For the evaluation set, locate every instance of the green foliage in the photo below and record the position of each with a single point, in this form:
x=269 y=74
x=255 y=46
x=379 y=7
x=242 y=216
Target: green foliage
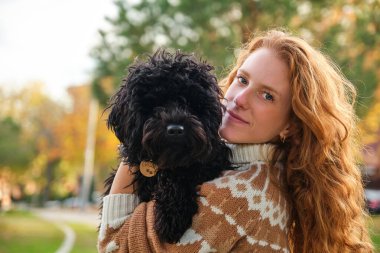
x=213 y=29
x=365 y=81
x=15 y=151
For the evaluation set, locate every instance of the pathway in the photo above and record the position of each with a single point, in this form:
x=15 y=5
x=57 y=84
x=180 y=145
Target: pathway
x=61 y=216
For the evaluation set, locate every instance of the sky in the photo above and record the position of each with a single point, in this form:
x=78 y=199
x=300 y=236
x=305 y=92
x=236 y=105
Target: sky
x=49 y=41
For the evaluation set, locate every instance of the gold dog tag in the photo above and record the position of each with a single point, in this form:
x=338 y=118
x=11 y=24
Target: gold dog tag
x=148 y=169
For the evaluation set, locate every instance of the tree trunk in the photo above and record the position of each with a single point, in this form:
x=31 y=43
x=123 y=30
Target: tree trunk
x=49 y=174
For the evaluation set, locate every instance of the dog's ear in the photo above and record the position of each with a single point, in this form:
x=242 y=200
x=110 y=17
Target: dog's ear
x=119 y=113
x=127 y=122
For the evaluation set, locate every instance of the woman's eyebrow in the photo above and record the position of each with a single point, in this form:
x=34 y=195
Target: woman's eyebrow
x=244 y=72
x=265 y=86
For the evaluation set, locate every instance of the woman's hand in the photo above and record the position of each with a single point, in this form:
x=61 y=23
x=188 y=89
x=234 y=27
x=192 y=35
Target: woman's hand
x=123 y=179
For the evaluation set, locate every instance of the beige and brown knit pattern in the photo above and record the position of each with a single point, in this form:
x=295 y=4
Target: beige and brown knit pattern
x=241 y=211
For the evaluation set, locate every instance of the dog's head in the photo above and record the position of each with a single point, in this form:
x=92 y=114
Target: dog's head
x=168 y=111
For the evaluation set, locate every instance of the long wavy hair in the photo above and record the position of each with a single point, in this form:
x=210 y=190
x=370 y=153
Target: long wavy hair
x=321 y=180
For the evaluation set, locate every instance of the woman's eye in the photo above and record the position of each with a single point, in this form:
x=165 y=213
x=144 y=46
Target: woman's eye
x=242 y=80
x=267 y=96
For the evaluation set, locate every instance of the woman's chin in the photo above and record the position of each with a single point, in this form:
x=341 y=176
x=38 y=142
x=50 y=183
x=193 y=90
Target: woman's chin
x=224 y=134
x=229 y=135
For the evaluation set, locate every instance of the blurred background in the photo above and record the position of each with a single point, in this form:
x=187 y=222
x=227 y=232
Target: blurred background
x=61 y=60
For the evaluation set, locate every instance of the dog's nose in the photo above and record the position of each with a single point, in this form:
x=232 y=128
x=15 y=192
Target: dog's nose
x=174 y=129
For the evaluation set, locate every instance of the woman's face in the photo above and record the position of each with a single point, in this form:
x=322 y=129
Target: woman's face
x=258 y=100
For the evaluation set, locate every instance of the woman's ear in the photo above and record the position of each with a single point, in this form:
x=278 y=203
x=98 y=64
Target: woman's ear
x=285 y=132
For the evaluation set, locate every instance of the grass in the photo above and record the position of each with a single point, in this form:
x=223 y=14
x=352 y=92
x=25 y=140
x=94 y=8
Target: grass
x=375 y=231
x=24 y=232
x=86 y=238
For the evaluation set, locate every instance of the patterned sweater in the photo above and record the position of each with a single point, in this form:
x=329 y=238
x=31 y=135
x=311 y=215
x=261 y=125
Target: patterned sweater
x=241 y=211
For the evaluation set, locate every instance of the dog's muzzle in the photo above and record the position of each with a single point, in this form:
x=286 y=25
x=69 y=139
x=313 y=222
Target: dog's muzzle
x=175 y=130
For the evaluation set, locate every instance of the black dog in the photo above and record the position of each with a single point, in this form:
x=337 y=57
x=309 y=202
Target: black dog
x=166 y=115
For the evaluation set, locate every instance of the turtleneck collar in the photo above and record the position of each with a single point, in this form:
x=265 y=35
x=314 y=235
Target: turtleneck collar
x=249 y=153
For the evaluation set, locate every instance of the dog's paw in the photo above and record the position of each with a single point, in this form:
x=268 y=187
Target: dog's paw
x=170 y=229
x=173 y=218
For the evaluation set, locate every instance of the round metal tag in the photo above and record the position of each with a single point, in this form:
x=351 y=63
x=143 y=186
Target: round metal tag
x=148 y=169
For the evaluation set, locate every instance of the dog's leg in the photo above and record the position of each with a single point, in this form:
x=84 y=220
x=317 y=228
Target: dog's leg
x=175 y=206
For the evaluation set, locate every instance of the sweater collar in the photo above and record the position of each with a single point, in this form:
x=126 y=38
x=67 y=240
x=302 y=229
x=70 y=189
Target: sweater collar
x=248 y=153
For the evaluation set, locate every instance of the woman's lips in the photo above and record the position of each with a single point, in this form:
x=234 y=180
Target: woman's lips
x=236 y=117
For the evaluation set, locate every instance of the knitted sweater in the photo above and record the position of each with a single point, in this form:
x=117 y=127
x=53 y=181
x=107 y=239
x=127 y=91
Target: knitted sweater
x=241 y=211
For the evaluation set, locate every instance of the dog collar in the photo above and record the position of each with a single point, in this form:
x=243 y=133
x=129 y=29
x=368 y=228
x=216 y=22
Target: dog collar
x=148 y=169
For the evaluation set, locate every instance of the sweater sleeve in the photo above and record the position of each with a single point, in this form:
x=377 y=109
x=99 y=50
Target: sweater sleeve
x=238 y=212
x=116 y=209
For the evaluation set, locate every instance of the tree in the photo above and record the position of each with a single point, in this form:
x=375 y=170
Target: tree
x=29 y=135
x=71 y=135
x=15 y=151
x=370 y=125
x=42 y=142
x=15 y=154
x=348 y=31
x=212 y=29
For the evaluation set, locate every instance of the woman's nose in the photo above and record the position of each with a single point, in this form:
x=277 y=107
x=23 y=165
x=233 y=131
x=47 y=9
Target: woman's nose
x=241 y=99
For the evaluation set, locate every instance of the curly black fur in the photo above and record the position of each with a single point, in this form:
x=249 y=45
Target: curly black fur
x=166 y=90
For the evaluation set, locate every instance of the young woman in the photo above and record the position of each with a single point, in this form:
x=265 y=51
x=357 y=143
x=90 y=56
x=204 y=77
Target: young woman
x=291 y=120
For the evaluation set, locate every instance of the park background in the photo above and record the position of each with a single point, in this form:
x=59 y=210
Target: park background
x=55 y=149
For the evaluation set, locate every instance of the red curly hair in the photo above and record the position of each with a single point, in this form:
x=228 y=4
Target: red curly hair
x=322 y=180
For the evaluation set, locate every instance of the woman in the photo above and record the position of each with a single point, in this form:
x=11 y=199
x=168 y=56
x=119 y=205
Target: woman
x=290 y=116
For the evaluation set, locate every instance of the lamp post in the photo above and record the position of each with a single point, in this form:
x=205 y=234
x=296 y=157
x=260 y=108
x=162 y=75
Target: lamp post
x=88 y=170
